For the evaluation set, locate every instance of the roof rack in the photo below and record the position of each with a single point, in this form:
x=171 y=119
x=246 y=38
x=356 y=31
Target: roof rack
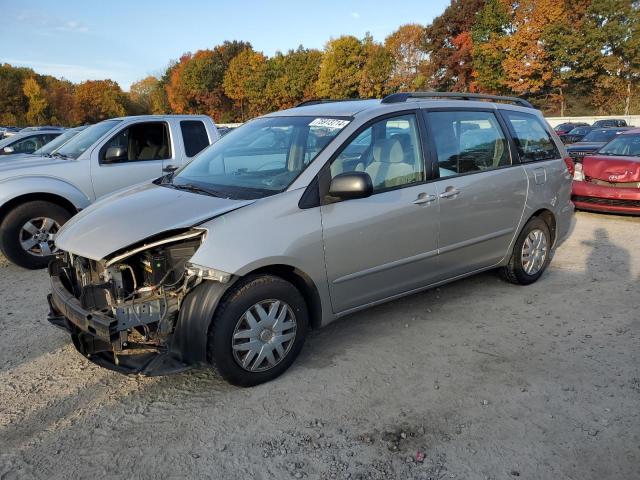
x=404 y=96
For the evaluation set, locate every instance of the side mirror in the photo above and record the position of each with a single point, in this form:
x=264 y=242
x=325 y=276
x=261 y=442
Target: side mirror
x=8 y=150
x=351 y=185
x=115 y=154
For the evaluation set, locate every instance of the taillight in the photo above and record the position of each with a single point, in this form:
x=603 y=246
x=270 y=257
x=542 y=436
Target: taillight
x=570 y=165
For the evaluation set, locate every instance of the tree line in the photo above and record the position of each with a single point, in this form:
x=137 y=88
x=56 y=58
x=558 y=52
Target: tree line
x=577 y=57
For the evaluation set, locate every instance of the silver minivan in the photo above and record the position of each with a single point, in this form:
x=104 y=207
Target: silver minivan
x=303 y=216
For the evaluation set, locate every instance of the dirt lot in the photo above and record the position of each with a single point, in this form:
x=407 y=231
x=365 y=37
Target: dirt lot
x=487 y=379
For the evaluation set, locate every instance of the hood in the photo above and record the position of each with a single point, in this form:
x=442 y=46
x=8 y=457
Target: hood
x=612 y=169
x=585 y=146
x=136 y=214
x=25 y=164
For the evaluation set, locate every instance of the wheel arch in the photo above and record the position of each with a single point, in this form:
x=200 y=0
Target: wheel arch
x=549 y=218
x=37 y=196
x=302 y=282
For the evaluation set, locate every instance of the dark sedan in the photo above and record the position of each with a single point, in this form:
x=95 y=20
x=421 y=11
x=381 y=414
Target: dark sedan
x=596 y=138
x=575 y=135
x=566 y=127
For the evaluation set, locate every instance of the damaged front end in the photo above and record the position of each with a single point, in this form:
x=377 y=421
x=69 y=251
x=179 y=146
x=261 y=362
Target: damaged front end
x=126 y=312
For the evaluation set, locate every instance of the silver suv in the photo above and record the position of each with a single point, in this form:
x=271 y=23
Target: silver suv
x=303 y=216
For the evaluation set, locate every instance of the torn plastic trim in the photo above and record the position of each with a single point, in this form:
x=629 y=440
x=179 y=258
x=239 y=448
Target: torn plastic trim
x=176 y=238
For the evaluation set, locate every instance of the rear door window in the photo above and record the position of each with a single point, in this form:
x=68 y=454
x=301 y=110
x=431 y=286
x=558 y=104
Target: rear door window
x=468 y=142
x=531 y=137
x=194 y=135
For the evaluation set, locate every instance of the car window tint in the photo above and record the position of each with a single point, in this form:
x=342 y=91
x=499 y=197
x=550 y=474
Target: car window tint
x=531 y=137
x=389 y=151
x=139 y=142
x=468 y=142
x=194 y=135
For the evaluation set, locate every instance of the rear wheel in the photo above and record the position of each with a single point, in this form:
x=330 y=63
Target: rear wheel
x=28 y=232
x=531 y=253
x=258 y=330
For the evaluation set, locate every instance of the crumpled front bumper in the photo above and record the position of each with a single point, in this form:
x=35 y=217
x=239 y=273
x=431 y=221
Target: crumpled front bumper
x=602 y=198
x=98 y=336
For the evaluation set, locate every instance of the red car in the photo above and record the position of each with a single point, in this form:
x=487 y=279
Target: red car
x=609 y=180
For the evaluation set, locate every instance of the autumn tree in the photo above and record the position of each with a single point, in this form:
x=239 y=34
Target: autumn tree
x=196 y=81
x=376 y=71
x=13 y=103
x=245 y=82
x=410 y=58
x=60 y=98
x=343 y=60
x=37 y=101
x=97 y=100
x=140 y=95
x=449 y=44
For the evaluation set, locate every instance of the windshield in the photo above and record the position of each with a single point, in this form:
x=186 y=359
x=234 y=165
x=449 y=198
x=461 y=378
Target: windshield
x=600 y=135
x=81 y=142
x=580 y=131
x=56 y=142
x=260 y=158
x=622 y=146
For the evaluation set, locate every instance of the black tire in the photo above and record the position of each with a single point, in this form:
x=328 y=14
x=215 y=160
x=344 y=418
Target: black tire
x=242 y=296
x=514 y=271
x=12 y=224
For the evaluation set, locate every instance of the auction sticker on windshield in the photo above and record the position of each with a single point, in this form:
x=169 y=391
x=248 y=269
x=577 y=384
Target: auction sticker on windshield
x=329 y=123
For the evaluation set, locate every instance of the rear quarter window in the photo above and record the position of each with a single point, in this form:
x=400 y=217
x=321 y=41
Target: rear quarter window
x=194 y=135
x=531 y=137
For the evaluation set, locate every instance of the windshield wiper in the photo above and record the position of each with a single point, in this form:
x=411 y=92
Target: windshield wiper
x=190 y=187
x=58 y=155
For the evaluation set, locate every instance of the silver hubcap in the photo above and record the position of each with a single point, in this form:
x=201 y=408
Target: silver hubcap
x=264 y=335
x=534 y=252
x=37 y=236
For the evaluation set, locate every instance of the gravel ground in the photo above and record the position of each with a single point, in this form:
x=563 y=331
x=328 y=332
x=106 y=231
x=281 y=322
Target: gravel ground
x=479 y=379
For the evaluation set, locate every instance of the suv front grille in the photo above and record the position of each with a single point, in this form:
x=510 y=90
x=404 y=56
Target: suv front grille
x=579 y=154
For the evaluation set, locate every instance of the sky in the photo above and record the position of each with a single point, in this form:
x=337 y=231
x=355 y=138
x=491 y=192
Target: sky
x=128 y=40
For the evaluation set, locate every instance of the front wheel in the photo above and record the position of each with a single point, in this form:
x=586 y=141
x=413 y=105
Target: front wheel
x=531 y=253
x=28 y=232
x=258 y=330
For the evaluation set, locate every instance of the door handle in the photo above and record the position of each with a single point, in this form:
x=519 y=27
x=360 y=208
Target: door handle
x=449 y=192
x=424 y=198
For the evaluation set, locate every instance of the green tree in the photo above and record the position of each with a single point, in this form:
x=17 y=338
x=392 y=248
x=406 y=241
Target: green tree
x=491 y=27
x=292 y=77
x=614 y=36
x=343 y=60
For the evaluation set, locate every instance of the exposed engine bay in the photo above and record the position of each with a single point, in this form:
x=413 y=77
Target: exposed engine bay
x=138 y=292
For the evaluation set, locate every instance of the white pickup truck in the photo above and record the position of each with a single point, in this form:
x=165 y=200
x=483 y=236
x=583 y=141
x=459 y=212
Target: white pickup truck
x=37 y=196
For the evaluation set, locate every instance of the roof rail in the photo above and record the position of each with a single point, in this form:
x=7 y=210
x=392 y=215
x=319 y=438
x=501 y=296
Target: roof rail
x=327 y=100
x=404 y=96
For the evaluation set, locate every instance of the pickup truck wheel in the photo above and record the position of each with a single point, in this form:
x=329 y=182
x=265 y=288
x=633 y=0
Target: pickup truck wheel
x=531 y=253
x=258 y=330
x=28 y=232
